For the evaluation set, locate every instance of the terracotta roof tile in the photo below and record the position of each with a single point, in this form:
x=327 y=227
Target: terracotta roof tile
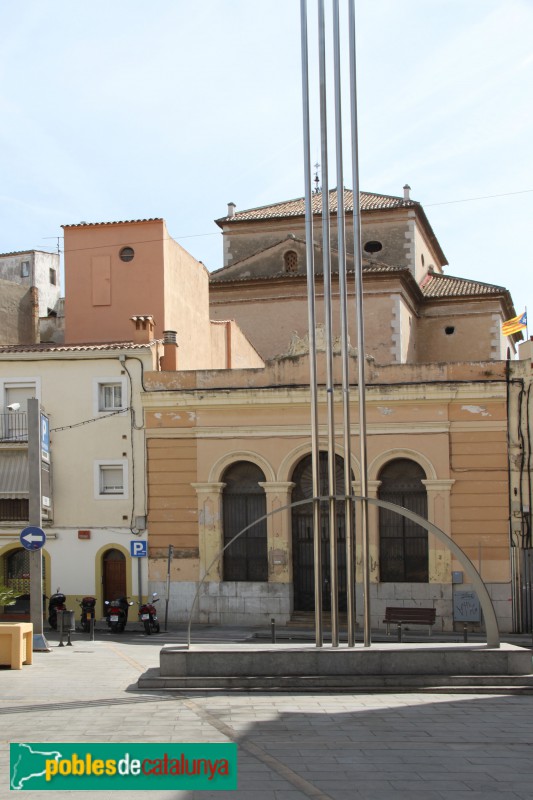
x=50 y=347
x=26 y=253
x=373 y=267
x=296 y=208
x=449 y=286
x=121 y=222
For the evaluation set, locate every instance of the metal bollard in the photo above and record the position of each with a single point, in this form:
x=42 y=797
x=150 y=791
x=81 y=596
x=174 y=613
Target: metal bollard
x=91 y=628
x=60 y=626
x=465 y=633
x=399 y=631
x=273 y=630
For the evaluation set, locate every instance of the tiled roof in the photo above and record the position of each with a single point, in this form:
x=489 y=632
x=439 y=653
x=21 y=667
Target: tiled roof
x=50 y=347
x=25 y=252
x=296 y=208
x=121 y=222
x=373 y=267
x=449 y=286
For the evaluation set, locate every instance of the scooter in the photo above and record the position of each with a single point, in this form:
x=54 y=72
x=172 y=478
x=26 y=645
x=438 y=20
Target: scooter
x=116 y=613
x=55 y=603
x=87 y=605
x=148 y=615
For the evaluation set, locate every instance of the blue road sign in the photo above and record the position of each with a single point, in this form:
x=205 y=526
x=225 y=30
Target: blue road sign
x=32 y=538
x=45 y=438
x=139 y=548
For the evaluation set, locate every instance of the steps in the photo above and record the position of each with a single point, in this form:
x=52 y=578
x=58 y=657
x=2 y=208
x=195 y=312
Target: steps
x=353 y=684
x=389 y=667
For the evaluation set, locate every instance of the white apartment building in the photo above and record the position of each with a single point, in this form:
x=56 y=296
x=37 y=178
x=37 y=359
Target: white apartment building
x=97 y=497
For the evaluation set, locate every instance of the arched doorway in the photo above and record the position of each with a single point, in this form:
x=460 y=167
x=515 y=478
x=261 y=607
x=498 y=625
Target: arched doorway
x=114 y=574
x=244 y=501
x=16 y=576
x=302 y=535
x=403 y=545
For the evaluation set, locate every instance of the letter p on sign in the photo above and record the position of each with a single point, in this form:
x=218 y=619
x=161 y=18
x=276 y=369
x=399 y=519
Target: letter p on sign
x=139 y=548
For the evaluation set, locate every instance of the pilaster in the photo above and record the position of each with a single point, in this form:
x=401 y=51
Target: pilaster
x=279 y=542
x=440 y=557
x=210 y=529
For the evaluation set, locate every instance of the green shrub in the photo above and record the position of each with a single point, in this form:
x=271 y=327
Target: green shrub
x=8 y=597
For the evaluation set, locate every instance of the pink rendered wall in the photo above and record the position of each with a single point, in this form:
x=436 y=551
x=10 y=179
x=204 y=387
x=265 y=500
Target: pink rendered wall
x=186 y=292
x=102 y=292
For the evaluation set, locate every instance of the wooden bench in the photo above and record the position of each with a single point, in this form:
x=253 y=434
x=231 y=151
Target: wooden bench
x=409 y=616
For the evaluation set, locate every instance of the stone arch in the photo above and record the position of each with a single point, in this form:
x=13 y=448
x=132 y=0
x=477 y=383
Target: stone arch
x=401 y=452
x=99 y=572
x=289 y=462
x=225 y=461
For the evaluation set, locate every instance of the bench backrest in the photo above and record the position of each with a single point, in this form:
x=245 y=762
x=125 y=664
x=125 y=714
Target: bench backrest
x=410 y=614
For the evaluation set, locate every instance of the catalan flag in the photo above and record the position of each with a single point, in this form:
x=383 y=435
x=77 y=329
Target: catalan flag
x=515 y=324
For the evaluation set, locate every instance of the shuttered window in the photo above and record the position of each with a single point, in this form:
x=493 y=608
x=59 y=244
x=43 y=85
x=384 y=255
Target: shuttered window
x=403 y=545
x=246 y=559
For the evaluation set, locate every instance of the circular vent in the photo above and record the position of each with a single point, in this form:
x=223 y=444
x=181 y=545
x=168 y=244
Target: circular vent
x=126 y=254
x=373 y=247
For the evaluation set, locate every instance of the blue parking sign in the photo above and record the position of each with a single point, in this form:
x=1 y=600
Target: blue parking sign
x=139 y=548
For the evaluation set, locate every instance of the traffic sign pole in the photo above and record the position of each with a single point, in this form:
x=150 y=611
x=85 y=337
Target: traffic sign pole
x=139 y=550
x=35 y=519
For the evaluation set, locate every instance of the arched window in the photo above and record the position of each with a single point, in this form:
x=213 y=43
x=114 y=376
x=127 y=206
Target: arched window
x=302 y=535
x=403 y=545
x=243 y=502
x=291 y=261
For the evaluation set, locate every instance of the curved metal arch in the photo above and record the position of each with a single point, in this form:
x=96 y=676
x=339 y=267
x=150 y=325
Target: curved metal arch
x=491 y=624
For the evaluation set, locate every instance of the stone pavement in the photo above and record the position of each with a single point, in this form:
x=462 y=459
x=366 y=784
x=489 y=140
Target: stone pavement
x=291 y=746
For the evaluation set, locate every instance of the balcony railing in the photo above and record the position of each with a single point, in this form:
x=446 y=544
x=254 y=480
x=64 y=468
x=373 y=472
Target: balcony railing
x=14 y=426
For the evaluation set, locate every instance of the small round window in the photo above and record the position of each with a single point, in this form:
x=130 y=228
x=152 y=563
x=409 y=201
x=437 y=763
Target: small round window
x=127 y=253
x=373 y=247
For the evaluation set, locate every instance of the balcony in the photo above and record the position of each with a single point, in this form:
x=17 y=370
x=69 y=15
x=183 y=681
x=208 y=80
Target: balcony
x=14 y=427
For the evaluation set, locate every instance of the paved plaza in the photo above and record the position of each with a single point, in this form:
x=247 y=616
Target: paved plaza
x=291 y=746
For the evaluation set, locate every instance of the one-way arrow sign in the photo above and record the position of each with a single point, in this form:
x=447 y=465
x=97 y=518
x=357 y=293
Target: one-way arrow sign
x=32 y=538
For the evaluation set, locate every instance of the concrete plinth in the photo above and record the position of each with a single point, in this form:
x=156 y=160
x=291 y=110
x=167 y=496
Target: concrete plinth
x=258 y=665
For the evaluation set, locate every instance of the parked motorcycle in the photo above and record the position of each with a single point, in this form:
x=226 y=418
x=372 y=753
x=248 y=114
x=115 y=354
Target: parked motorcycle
x=116 y=613
x=148 y=615
x=55 y=603
x=87 y=605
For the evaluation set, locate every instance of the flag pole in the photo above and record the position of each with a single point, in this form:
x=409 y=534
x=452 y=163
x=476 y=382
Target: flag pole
x=309 y=249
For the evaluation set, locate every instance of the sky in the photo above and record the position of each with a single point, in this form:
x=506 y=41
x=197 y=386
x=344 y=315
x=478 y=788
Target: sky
x=129 y=110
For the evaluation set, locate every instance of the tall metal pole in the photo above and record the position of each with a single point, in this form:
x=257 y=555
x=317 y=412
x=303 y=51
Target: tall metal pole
x=317 y=543
x=330 y=381
x=341 y=225
x=35 y=520
x=358 y=267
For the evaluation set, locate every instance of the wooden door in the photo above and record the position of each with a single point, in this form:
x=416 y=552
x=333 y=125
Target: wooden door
x=114 y=572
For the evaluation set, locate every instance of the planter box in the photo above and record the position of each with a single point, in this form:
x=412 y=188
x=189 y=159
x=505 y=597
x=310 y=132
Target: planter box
x=16 y=644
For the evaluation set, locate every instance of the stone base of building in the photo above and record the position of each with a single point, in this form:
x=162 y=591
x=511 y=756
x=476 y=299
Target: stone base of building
x=250 y=604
